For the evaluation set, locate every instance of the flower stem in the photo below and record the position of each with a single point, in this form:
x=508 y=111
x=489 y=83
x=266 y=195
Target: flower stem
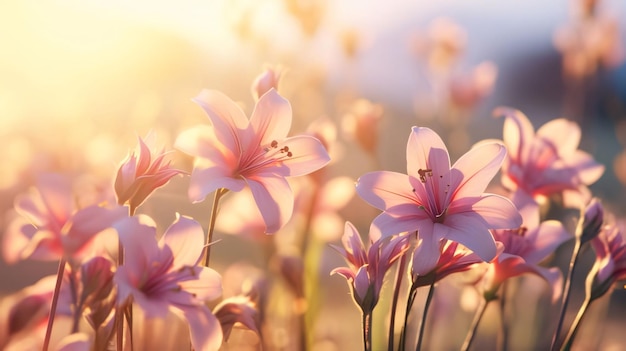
x=409 y=305
x=566 y=293
x=394 y=302
x=367 y=331
x=474 y=327
x=504 y=330
x=53 y=307
x=569 y=339
x=429 y=299
x=209 y=238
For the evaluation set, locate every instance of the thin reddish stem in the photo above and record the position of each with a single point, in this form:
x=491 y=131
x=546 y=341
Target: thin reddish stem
x=53 y=307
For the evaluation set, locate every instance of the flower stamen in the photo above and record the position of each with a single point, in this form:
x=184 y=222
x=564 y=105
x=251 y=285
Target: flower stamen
x=423 y=173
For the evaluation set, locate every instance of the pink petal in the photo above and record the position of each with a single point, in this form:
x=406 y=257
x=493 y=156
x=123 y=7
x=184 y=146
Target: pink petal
x=563 y=134
x=353 y=245
x=309 y=155
x=16 y=238
x=88 y=222
x=139 y=241
x=477 y=168
x=588 y=170
x=470 y=230
x=270 y=120
x=390 y=225
x=274 y=198
x=385 y=189
x=56 y=193
x=496 y=211
x=361 y=283
x=206 y=180
x=426 y=150
x=550 y=235
x=201 y=141
x=518 y=132
x=426 y=255
x=207 y=287
x=205 y=330
x=344 y=272
x=226 y=117
x=185 y=237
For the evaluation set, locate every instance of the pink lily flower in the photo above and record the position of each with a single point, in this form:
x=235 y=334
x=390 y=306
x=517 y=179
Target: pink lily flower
x=452 y=259
x=525 y=248
x=165 y=274
x=439 y=201
x=610 y=250
x=367 y=269
x=52 y=227
x=235 y=153
x=138 y=177
x=547 y=162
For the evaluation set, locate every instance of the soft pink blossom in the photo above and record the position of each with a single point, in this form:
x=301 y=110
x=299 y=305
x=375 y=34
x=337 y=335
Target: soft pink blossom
x=610 y=248
x=439 y=201
x=366 y=271
x=235 y=153
x=165 y=274
x=547 y=162
x=51 y=227
x=452 y=259
x=525 y=248
x=139 y=176
x=238 y=309
x=266 y=81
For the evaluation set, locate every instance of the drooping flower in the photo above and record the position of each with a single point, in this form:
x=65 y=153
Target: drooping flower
x=235 y=153
x=165 y=274
x=525 y=248
x=139 y=176
x=452 y=259
x=52 y=227
x=367 y=269
x=439 y=201
x=238 y=309
x=610 y=249
x=546 y=163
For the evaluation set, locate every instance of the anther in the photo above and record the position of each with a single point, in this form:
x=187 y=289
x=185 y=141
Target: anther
x=423 y=173
x=274 y=144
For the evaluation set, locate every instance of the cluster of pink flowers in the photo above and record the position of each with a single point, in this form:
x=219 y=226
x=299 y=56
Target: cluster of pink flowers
x=116 y=270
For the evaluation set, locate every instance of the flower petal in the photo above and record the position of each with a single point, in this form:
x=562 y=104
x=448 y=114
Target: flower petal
x=549 y=236
x=207 y=287
x=496 y=211
x=425 y=150
x=226 y=117
x=206 y=180
x=201 y=141
x=270 y=120
x=205 y=330
x=390 y=225
x=308 y=155
x=563 y=134
x=426 y=255
x=185 y=237
x=518 y=132
x=385 y=189
x=274 y=198
x=472 y=173
x=470 y=230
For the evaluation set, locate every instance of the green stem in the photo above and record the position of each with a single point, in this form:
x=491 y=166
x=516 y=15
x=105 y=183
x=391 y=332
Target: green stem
x=367 y=331
x=409 y=305
x=566 y=293
x=53 y=307
x=209 y=238
x=394 y=302
x=429 y=299
x=474 y=326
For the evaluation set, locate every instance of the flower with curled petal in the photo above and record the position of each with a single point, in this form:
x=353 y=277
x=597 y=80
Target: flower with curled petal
x=51 y=227
x=547 y=162
x=164 y=274
x=439 y=201
x=234 y=153
x=367 y=269
x=138 y=177
x=525 y=247
x=452 y=259
x=610 y=249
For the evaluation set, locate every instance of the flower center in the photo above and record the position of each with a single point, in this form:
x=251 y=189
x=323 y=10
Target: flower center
x=269 y=156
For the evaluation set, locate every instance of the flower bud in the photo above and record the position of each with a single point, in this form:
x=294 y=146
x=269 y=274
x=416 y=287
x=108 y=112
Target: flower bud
x=265 y=81
x=593 y=220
